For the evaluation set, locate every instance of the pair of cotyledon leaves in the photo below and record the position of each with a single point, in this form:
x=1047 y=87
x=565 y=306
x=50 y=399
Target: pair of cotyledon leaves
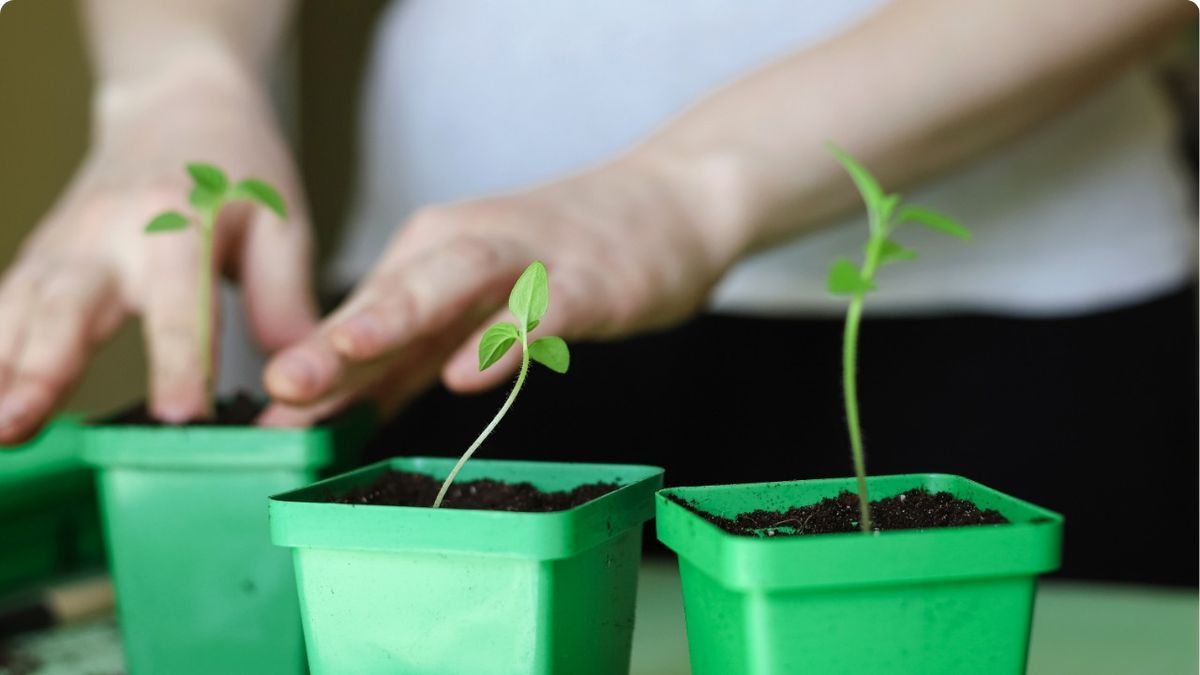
x=527 y=303
x=211 y=190
x=886 y=213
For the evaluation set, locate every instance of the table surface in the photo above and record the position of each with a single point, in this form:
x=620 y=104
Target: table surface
x=1078 y=629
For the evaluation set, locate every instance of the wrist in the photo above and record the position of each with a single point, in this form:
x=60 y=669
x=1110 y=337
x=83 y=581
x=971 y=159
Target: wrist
x=193 y=75
x=710 y=192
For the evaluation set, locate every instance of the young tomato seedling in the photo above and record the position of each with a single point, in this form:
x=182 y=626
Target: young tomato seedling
x=885 y=213
x=527 y=302
x=211 y=191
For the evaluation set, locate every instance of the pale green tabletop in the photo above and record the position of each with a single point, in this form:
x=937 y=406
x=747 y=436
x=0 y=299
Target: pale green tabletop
x=1078 y=629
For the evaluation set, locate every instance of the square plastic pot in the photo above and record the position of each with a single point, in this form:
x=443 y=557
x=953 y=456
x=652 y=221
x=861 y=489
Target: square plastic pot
x=914 y=602
x=200 y=588
x=49 y=524
x=422 y=591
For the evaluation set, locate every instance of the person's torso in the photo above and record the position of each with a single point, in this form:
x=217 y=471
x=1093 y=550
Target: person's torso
x=468 y=99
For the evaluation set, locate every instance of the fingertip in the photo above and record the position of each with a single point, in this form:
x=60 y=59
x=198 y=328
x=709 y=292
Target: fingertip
x=296 y=375
x=15 y=433
x=459 y=380
x=281 y=416
x=180 y=406
x=172 y=414
x=21 y=416
x=462 y=375
x=12 y=438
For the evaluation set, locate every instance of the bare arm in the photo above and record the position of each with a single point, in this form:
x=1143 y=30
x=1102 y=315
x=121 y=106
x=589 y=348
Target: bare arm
x=140 y=39
x=918 y=87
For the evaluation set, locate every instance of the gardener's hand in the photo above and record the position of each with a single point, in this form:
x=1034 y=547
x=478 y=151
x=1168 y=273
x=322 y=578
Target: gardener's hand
x=629 y=247
x=89 y=264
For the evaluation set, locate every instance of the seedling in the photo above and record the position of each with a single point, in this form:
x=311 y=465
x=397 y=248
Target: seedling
x=885 y=213
x=211 y=191
x=527 y=302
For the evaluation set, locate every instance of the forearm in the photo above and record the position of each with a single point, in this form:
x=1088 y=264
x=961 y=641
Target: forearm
x=147 y=44
x=914 y=89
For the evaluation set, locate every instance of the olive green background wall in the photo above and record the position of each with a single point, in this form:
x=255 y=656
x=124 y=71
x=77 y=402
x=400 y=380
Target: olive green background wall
x=45 y=86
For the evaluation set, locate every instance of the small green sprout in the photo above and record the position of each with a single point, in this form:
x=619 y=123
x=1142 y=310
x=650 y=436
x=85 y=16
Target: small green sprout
x=885 y=213
x=527 y=302
x=211 y=191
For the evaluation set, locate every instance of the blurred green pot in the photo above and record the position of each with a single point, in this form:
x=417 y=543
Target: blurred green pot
x=422 y=591
x=200 y=588
x=49 y=524
x=915 y=602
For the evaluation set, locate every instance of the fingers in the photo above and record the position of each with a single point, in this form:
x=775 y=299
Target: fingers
x=275 y=269
x=289 y=416
x=389 y=384
x=73 y=310
x=390 y=381
x=424 y=295
x=395 y=307
x=306 y=371
x=17 y=296
x=171 y=325
x=461 y=373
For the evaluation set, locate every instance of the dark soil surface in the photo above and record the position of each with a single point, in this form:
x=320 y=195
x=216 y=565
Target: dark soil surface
x=916 y=509
x=239 y=411
x=16 y=663
x=404 y=488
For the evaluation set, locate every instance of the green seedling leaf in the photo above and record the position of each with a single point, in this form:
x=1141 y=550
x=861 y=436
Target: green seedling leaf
x=205 y=199
x=888 y=207
x=867 y=186
x=551 y=351
x=846 y=279
x=528 y=300
x=495 y=342
x=259 y=191
x=890 y=250
x=169 y=221
x=208 y=177
x=934 y=220
x=530 y=295
x=532 y=325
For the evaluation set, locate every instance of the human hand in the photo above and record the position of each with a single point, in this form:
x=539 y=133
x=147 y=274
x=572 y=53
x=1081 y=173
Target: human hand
x=88 y=264
x=632 y=246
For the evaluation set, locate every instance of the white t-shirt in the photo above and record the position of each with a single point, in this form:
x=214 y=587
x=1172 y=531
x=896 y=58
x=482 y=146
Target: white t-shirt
x=471 y=98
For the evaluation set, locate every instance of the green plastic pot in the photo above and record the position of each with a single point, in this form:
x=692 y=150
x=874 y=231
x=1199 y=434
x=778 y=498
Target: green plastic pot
x=49 y=524
x=200 y=588
x=916 y=602
x=422 y=591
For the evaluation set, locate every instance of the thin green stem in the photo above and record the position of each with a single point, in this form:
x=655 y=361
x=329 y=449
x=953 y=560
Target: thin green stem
x=879 y=233
x=487 y=431
x=850 y=391
x=204 y=306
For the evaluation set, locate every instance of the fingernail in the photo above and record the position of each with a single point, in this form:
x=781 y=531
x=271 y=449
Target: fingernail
x=12 y=409
x=171 y=414
x=277 y=416
x=297 y=373
x=358 y=335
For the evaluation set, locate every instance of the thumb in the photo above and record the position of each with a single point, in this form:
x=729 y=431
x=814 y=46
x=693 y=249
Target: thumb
x=275 y=267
